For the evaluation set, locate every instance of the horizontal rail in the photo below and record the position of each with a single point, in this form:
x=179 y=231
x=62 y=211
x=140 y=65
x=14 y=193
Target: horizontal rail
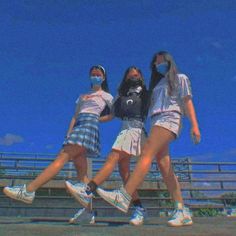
x=112 y=208
x=35 y=157
x=66 y=197
x=112 y=179
x=95 y=169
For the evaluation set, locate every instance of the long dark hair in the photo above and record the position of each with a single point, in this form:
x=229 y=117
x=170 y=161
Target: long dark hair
x=171 y=74
x=104 y=86
x=123 y=89
x=104 y=83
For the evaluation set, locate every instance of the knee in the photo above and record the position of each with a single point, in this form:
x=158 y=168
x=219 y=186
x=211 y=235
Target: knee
x=165 y=168
x=62 y=158
x=145 y=162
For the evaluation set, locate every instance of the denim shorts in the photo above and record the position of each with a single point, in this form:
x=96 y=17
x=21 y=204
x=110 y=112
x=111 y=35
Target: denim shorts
x=170 y=120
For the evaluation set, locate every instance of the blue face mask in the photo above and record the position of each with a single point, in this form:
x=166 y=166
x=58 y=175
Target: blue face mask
x=96 y=80
x=162 y=68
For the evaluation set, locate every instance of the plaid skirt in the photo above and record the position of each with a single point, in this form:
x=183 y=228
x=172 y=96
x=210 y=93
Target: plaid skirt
x=131 y=138
x=86 y=134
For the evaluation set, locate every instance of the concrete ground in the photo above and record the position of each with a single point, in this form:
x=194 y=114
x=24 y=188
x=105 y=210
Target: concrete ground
x=211 y=226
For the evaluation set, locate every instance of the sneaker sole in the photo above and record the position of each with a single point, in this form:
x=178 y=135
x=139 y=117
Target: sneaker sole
x=9 y=194
x=111 y=202
x=75 y=195
x=184 y=224
x=73 y=221
x=132 y=223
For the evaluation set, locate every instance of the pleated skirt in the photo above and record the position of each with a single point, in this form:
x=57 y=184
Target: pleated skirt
x=86 y=134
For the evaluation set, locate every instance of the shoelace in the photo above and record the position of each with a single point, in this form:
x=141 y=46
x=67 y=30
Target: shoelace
x=20 y=193
x=136 y=214
x=80 y=185
x=117 y=198
x=139 y=213
x=176 y=213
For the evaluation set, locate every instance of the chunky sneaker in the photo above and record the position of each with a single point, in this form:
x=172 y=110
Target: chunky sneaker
x=118 y=198
x=187 y=212
x=19 y=193
x=83 y=216
x=138 y=216
x=180 y=218
x=78 y=191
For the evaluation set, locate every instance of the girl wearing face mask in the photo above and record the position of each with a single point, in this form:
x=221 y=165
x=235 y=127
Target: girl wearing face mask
x=171 y=98
x=82 y=138
x=130 y=107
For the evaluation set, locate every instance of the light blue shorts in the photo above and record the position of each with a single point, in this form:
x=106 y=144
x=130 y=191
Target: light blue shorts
x=169 y=120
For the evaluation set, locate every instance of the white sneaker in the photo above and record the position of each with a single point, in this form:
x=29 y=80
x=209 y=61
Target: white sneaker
x=78 y=192
x=187 y=212
x=83 y=217
x=138 y=216
x=118 y=198
x=19 y=193
x=180 y=218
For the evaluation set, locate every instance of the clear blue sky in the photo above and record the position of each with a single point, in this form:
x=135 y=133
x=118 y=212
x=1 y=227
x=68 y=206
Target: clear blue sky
x=47 y=48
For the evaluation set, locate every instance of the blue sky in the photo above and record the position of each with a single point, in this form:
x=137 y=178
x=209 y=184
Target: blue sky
x=47 y=48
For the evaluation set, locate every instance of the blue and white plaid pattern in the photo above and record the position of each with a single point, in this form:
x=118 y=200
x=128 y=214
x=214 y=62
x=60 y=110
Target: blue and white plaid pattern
x=86 y=133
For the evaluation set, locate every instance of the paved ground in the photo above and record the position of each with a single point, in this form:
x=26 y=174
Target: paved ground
x=212 y=226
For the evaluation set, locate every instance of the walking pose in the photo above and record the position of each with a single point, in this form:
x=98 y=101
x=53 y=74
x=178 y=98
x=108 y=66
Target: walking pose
x=131 y=107
x=82 y=139
x=171 y=98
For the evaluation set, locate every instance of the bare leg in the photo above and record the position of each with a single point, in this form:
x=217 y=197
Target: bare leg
x=124 y=169
x=81 y=166
x=108 y=167
x=158 y=138
x=170 y=179
x=69 y=151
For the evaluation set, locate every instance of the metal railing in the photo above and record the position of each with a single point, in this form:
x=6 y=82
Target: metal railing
x=202 y=183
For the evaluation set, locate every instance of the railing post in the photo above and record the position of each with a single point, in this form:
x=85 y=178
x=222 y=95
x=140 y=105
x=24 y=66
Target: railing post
x=190 y=175
x=221 y=182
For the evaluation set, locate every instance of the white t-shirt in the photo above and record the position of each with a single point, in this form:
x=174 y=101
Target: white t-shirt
x=93 y=102
x=161 y=101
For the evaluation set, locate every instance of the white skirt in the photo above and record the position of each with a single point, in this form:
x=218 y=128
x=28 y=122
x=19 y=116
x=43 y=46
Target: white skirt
x=131 y=138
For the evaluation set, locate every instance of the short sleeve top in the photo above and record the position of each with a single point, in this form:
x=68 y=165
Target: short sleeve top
x=161 y=101
x=93 y=102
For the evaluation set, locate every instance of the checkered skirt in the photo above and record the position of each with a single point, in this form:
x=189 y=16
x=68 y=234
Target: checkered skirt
x=86 y=134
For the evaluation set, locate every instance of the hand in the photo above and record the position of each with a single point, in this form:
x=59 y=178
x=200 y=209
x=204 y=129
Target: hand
x=195 y=134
